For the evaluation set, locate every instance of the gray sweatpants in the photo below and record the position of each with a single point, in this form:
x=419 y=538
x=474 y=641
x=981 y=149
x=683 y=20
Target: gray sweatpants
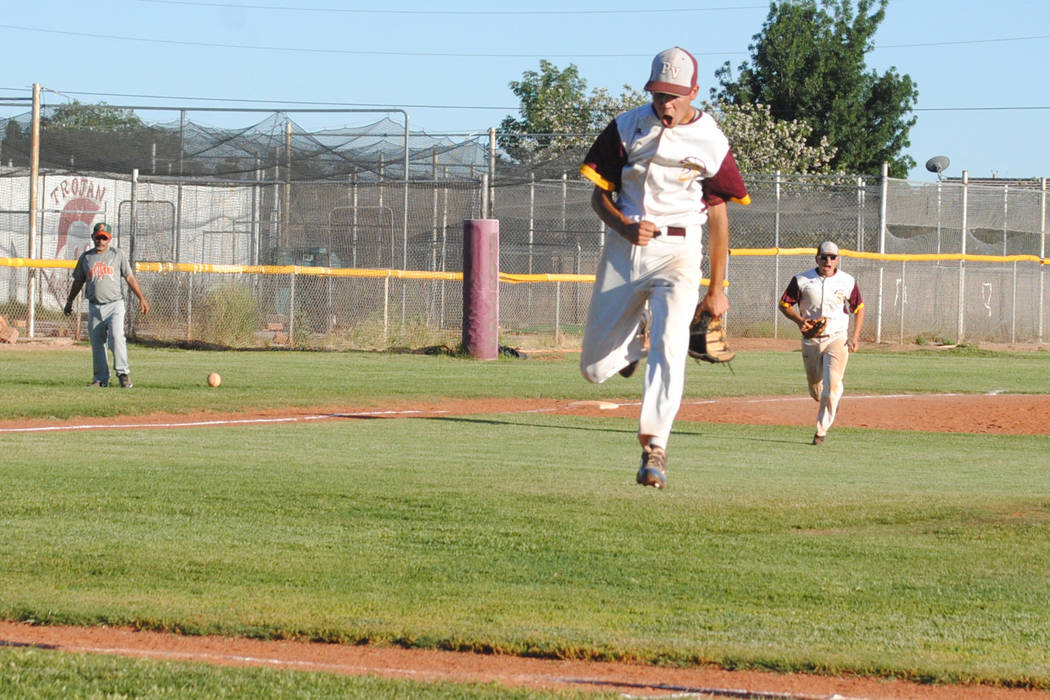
x=106 y=325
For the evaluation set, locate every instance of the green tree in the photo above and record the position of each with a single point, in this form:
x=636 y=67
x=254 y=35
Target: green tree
x=559 y=120
x=16 y=143
x=100 y=117
x=763 y=144
x=557 y=113
x=99 y=137
x=807 y=64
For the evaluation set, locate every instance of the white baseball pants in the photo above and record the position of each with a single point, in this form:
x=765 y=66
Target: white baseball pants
x=825 y=361
x=666 y=273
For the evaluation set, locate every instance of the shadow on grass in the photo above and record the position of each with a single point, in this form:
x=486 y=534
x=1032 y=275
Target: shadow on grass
x=677 y=432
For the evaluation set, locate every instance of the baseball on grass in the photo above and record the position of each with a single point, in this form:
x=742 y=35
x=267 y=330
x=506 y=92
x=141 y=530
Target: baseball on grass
x=214 y=379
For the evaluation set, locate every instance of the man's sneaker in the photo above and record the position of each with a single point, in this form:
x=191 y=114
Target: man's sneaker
x=98 y=383
x=653 y=471
x=125 y=381
x=818 y=439
x=629 y=369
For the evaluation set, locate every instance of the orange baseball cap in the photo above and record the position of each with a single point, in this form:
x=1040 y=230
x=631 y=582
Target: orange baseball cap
x=101 y=230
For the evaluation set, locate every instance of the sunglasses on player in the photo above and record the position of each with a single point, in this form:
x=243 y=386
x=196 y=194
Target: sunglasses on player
x=829 y=257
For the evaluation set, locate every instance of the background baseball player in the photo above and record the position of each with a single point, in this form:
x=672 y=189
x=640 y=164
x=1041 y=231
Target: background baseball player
x=827 y=293
x=100 y=271
x=660 y=172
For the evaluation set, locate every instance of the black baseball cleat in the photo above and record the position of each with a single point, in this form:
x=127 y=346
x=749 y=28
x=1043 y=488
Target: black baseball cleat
x=629 y=369
x=98 y=383
x=653 y=471
x=818 y=439
x=125 y=381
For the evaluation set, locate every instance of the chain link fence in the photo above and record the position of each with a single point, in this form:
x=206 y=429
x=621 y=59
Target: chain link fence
x=245 y=249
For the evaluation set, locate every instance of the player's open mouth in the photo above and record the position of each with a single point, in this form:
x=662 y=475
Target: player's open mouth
x=667 y=119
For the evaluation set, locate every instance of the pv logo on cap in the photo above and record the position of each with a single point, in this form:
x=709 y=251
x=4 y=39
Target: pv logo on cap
x=673 y=72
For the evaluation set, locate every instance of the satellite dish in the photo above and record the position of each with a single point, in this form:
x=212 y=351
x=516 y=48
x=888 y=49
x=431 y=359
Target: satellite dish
x=937 y=164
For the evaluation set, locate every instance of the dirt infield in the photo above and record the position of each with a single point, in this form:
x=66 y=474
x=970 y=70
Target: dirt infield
x=635 y=680
x=1017 y=414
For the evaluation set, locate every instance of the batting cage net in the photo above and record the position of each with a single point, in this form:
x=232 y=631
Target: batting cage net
x=276 y=234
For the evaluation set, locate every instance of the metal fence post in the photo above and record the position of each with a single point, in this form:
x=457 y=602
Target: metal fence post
x=353 y=219
x=34 y=174
x=444 y=240
x=131 y=214
x=189 y=308
x=532 y=236
x=860 y=212
x=1042 y=256
x=133 y=316
x=291 y=309
x=1013 y=306
x=557 y=313
x=175 y=245
x=564 y=204
x=1006 y=211
x=492 y=173
x=256 y=214
x=960 y=327
x=938 y=216
x=903 y=298
x=776 y=259
x=882 y=246
x=386 y=308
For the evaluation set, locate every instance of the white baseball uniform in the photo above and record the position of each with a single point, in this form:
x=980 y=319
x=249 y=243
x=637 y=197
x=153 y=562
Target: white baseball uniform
x=669 y=176
x=825 y=356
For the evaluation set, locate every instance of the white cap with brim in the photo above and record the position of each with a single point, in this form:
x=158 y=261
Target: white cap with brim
x=828 y=248
x=673 y=72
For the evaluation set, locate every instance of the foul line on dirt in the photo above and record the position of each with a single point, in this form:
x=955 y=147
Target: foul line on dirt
x=207 y=423
x=418 y=412
x=403 y=672
x=352 y=669
x=690 y=691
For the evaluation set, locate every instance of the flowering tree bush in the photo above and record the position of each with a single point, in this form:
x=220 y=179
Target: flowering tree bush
x=764 y=144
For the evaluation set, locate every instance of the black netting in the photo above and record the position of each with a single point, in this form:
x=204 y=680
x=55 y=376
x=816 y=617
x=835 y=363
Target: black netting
x=106 y=139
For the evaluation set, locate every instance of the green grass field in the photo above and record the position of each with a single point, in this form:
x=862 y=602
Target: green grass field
x=896 y=554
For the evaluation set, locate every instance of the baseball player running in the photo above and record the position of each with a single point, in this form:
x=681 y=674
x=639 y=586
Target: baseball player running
x=660 y=172
x=825 y=297
x=100 y=270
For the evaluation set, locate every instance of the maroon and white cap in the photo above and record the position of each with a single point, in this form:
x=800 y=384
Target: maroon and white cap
x=674 y=72
x=828 y=248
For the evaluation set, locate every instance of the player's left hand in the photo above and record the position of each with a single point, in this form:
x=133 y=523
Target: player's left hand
x=715 y=302
x=853 y=345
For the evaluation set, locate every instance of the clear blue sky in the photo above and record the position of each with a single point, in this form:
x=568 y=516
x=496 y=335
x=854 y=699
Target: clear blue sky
x=980 y=67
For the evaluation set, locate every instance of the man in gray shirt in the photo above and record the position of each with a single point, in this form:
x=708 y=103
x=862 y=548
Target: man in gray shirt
x=100 y=271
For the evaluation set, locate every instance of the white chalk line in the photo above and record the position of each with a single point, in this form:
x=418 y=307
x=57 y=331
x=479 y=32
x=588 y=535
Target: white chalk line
x=419 y=412
x=215 y=422
x=401 y=671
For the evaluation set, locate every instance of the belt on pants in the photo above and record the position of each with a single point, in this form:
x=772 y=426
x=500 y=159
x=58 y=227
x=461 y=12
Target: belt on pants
x=673 y=231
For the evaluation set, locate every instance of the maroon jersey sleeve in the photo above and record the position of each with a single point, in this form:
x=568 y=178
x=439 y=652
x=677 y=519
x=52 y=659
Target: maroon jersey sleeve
x=604 y=163
x=792 y=294
x=727 y=184
x=855 y=302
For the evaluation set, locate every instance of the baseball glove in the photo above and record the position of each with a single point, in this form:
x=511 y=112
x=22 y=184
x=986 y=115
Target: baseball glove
x=707 y=338
x=811 y=328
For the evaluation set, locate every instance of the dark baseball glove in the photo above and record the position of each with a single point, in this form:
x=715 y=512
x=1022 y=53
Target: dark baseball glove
x=707 y=338
x=813 y=328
